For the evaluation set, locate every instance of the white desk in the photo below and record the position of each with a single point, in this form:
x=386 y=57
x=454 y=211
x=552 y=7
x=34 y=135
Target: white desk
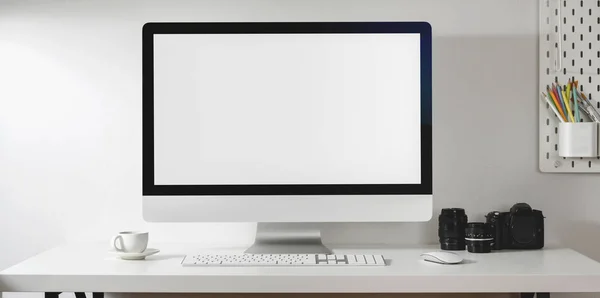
x=89 y=268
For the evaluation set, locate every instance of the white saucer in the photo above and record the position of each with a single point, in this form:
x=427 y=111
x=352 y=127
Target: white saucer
x=136 y=255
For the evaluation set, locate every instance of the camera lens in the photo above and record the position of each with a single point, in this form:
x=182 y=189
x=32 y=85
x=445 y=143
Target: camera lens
x=478 y=237
x=451 y=230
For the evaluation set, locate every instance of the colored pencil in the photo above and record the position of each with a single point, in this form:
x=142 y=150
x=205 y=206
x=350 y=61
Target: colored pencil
x=575 y=104
x=557 y=104
x=553 y=107
x=569 y=113
x=568 y=89
x=557 y=92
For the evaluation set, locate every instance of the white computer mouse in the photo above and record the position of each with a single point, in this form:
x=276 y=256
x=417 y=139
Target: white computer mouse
x=442 y=257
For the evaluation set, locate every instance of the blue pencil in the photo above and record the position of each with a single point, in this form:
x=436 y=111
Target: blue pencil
x=562 y=100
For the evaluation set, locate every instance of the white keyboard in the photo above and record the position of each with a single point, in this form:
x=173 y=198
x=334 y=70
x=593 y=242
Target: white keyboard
x=283 y=260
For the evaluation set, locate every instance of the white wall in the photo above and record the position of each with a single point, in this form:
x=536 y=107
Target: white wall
x=70 y=119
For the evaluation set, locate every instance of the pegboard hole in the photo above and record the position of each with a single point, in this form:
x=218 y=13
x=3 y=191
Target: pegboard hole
x=590 y=29
x=547 y=54
x=572 y=164
x=590 y=62
x=581 y=37
x=589 y=164
x=547 y=123
x=590 y=45
x=581 y=20
x=556 y=130
x=555 y=147
x=547 y=139
x=564 y=54
x=548 y=155
x=572 y=62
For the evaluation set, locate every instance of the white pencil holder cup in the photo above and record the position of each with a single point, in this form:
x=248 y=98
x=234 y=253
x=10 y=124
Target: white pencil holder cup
x=578 y=139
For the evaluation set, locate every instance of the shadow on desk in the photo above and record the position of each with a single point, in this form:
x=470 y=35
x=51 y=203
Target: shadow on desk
x=160 y=257
x=345 y=295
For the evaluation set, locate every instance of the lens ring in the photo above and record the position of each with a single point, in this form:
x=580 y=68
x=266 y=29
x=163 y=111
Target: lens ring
x=478 y=237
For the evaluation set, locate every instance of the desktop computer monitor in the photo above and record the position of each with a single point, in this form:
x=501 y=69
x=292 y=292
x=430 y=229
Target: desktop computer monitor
x=287 y=123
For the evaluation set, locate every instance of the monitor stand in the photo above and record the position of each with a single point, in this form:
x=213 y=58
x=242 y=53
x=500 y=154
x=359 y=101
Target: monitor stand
x=288 y=238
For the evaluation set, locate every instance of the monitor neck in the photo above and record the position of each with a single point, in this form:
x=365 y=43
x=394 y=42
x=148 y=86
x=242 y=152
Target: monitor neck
x=288 y=238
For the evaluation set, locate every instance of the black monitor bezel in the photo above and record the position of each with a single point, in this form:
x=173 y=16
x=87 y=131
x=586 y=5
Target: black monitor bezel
x=148 y=180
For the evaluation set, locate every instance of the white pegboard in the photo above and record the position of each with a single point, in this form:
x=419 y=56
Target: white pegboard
x=569 y=48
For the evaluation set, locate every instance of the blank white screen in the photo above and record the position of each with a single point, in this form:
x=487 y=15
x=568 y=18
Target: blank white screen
x=287 y=109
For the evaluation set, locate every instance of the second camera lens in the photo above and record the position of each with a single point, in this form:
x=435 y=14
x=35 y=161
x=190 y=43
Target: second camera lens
x=478 y=237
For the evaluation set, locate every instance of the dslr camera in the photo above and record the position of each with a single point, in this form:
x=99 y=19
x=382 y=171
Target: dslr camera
x=520 y=228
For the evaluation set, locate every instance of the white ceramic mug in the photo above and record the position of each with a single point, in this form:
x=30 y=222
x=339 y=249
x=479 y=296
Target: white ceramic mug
x=130 y=241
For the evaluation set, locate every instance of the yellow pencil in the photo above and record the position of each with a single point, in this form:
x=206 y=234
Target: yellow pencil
x=567 y=106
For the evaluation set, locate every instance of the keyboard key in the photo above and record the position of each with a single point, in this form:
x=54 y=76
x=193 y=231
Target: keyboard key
x=352 y=259
x=370 y=259
x=360 y=259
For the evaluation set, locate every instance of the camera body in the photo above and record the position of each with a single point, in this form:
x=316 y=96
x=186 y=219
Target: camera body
x=520 y=228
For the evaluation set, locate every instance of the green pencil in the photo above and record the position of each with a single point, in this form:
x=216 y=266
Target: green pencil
x=575 y=104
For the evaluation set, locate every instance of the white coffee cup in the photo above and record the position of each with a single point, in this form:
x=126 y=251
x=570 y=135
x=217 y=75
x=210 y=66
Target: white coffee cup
x=130 y=241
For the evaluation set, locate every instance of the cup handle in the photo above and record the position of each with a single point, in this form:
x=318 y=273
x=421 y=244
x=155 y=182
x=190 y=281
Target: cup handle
x=114 y=241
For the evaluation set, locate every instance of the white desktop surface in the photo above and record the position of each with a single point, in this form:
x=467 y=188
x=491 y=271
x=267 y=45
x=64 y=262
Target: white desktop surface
x=90 y=268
